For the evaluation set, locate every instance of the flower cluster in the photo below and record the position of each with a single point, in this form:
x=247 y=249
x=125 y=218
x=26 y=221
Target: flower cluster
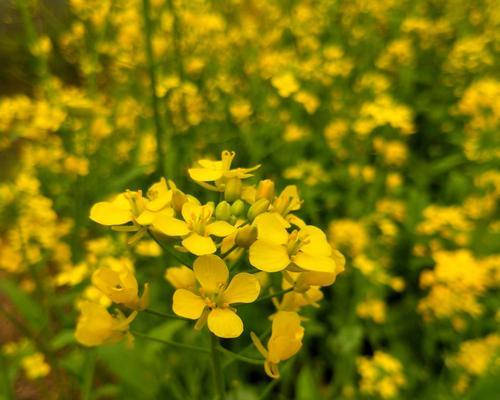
x=225 y=248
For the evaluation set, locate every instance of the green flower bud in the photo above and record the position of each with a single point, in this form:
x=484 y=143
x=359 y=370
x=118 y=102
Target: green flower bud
x=238 y=208
x=223 y=211
x=246 y=236
x=232 y=191
x=259 y=207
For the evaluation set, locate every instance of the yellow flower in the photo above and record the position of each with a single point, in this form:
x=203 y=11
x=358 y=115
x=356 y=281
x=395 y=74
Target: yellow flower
x=275 y=249
x=211 y=302
x=121 y=287
x=219 y=172
x=197 y=227
x=97 y=326
x=285 y=341
x=132 y=206
x=35 y=366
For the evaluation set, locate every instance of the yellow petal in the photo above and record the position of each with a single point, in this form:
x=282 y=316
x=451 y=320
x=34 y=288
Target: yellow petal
x=268 y=256
x=313 y=278
x=310 y=262
x=339 y=259
x=243 y=288
x=170 y=226
x=191 y=211
x=95 y=324
x=211 y=272
x=199 y=245
x=210 y=164
x=225 y=323
x=187 y=304
x=286 y=336
x=107 y=213
x=146 y=217
x=220 y=228
x=271 y=228
x=317 y=242
x=181 y=277
x=205 y=174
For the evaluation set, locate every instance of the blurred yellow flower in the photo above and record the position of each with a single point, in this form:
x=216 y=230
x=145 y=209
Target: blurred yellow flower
x=35 y=366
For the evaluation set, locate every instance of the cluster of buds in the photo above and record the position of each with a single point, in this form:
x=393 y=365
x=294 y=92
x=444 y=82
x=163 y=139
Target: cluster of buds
x=228 y=250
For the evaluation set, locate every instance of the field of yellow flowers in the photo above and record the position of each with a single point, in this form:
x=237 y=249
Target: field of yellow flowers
x=249 y=199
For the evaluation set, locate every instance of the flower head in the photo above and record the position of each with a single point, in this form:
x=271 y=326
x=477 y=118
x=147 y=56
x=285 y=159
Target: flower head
x=285 y=341
x=97 y=326
x=275 y=249
x=211 y=302
x=120 y=287
x=196 y=229
x=219 y=172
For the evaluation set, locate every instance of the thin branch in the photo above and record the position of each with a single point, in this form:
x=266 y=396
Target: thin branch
x=171 y=343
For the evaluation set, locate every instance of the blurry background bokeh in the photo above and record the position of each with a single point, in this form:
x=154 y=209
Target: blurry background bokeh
x=386 y=114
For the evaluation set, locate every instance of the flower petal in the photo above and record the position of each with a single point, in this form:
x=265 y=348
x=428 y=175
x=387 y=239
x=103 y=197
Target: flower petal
x=187 y=304
x=317 y=242
x=170 y=226
x=199 y=245
x=107 y=213
x=191 y=211
x=181 y=277
x=225 y=323
x=311 y=262
x=271 y=228
x=211 y=272
x=243 y=288
x=268 y=256
x=205 y=174
x=220 y=228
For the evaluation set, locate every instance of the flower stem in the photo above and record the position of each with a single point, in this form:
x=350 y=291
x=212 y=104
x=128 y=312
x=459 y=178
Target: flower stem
x=148 y=34
x=170 y=342
x=218 y=377
x=170 y=251
x=240 y=357
x=162 y=315
x=270 y=296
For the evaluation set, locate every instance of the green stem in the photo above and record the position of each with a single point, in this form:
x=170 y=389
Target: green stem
x=224 y=255
x=162 y=315
x=148 y=34
x=170 y=251
x=250 y=346
x=270 y=296
x=7 y=392
x=171 y=343
x=218 y=377
x=88 y=376
x=238 y=356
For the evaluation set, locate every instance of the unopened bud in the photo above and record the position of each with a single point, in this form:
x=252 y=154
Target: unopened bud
x=246 y=236
x=178 y=200
x=238 y=208
x=232 y=191
x=265 y=190
x=257 y=208
x=223 y=211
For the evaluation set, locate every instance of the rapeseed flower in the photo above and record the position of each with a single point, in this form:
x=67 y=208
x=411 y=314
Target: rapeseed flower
x=285 y=341
x=211 y=302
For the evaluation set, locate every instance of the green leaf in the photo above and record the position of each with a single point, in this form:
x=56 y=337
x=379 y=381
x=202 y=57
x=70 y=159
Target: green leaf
x=307 y=388
x=30 y=310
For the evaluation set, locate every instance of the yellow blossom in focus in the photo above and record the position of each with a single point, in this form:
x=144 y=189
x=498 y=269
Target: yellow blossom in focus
x=211 y=303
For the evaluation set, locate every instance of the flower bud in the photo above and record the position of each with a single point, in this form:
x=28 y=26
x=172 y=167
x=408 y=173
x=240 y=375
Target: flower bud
x=257 y=208
x=178 y=200
x=232 y=191
x=238 y=208
x=265 y=190
x=246 y=236
x=223 y=211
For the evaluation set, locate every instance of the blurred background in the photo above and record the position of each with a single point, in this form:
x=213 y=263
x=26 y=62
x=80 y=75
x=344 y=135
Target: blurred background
x=386 y=115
